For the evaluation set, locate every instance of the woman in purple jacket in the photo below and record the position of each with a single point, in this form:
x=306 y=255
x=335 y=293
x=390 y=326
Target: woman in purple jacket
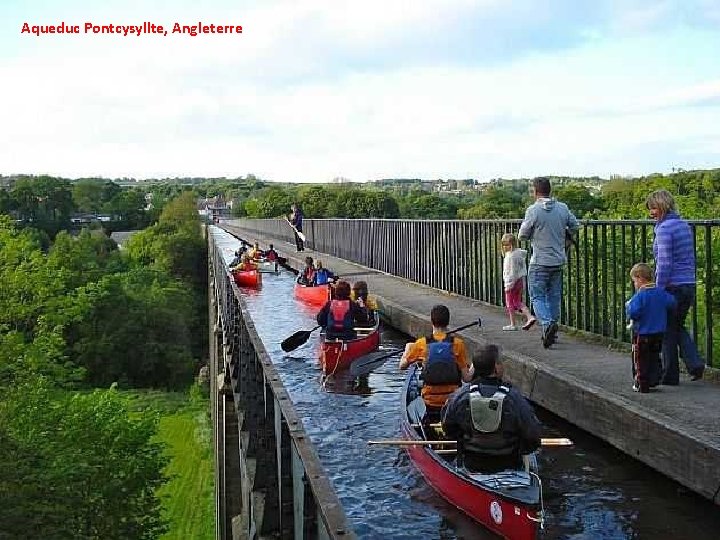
x=675 y=272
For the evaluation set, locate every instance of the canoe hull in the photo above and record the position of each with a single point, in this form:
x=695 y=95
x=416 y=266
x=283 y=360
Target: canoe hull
x=338 y=355
x=316 y=296
x=247 y=278
x=510 y=518
x=268 y=267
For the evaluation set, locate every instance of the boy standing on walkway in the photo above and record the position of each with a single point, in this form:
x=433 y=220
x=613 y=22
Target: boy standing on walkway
x=648 y=309
x=514 y=271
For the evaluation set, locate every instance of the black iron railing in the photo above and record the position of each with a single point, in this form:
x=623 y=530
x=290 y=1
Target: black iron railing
x=464 y=257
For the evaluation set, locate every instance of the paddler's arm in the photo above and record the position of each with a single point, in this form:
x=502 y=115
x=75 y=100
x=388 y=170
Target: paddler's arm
x=413 y=352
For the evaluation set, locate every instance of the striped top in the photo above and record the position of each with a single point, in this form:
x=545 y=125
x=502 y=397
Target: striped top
x=674 y=252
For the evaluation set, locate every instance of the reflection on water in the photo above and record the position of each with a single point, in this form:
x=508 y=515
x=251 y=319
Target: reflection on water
x=591 y=490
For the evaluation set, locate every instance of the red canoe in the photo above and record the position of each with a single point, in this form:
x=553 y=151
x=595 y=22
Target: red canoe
x=508 y=503
x=337 y=355
x=312 y=295
x=247 y=278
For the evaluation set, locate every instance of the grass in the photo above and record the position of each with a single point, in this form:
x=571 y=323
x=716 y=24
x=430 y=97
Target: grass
x=185 y=428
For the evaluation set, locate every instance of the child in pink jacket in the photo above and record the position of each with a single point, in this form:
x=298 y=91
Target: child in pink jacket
x=514 y=272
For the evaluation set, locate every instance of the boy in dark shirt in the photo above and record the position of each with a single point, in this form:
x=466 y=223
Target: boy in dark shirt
x=648 y=310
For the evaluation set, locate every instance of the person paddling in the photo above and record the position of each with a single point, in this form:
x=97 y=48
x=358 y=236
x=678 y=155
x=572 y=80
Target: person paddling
x=339 y=316
x=444 y=360
x=271 y=255
x=246 y=264
x=307 y=276
x=492 y=422
x=323 y=276
x=363 y=299
x=256 y=253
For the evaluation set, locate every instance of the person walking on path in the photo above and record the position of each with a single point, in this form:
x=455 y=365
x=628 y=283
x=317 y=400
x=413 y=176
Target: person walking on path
x=547 y=223
x=674 y=253
x=296 y=220
x=649 y=310
x=514 y=272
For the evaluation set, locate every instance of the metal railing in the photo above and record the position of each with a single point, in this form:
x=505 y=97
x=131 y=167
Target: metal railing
x=271 y=483
x=464 y=257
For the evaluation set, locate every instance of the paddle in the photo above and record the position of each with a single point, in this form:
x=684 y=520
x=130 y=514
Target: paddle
x=365 y=364
x=297 y=339
x=300 y=235
x=559 y=441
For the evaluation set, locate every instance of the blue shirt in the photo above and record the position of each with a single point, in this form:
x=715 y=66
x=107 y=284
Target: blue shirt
x=323 y=276
x=649 y=308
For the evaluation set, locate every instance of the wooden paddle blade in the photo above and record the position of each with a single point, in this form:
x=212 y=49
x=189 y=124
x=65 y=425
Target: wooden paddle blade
x=561 y=441
x=294 y=341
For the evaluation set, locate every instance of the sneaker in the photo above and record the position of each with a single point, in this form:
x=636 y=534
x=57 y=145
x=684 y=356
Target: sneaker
x=549 y=335
x=529 y=324
x=697 y=374
x=636 y=387
x=509 y=328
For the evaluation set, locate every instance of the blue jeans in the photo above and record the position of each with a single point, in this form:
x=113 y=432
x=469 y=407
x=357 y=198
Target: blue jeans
x=545 y=284
x=676 y=336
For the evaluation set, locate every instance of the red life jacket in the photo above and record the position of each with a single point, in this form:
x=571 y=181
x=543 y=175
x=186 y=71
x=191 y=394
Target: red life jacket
x=309 y=274
x=271 y=255
x=340 y=317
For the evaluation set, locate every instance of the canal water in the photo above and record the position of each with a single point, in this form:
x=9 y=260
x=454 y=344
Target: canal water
x=591 y=490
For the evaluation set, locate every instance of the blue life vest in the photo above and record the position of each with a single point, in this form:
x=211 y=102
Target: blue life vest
x=340 y=317
x=440 y=366
x=322 y=276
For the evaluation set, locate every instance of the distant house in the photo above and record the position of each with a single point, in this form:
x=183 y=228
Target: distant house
x=214 y=208
x=87 y=219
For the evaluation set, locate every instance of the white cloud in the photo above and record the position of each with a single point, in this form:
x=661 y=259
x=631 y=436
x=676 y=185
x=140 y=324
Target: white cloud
x=314 y=90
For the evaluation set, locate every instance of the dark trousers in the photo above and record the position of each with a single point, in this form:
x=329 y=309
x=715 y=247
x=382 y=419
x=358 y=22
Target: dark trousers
x=299 y=243
x=678 y=338
x=646 y=364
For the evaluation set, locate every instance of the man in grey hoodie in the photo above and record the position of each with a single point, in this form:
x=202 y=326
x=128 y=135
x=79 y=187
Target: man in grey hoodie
x=546 y=224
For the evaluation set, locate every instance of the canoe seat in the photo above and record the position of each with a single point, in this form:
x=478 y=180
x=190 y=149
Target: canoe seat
x=503 y=479
x=363 y=330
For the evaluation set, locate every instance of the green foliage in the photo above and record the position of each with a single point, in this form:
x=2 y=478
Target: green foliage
x=185 y=428
x=78 y=466
x=43 y=201
x=503 y=201
x=581 y=200
x=137 y=330
x=273 y=201
x=422 y=205
x=175 y=245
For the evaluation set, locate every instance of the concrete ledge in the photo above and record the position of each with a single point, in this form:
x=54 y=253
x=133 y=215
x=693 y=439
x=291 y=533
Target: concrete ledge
x=675 y=431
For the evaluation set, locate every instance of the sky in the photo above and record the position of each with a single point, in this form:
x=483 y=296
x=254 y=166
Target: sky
x=362 y=89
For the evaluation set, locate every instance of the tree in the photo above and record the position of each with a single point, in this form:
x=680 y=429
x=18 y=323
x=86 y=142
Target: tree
x=87 y=194
x=77 y=466
x=45 y=202
x=504 y=201
x=580 y=200
x=138 y=330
